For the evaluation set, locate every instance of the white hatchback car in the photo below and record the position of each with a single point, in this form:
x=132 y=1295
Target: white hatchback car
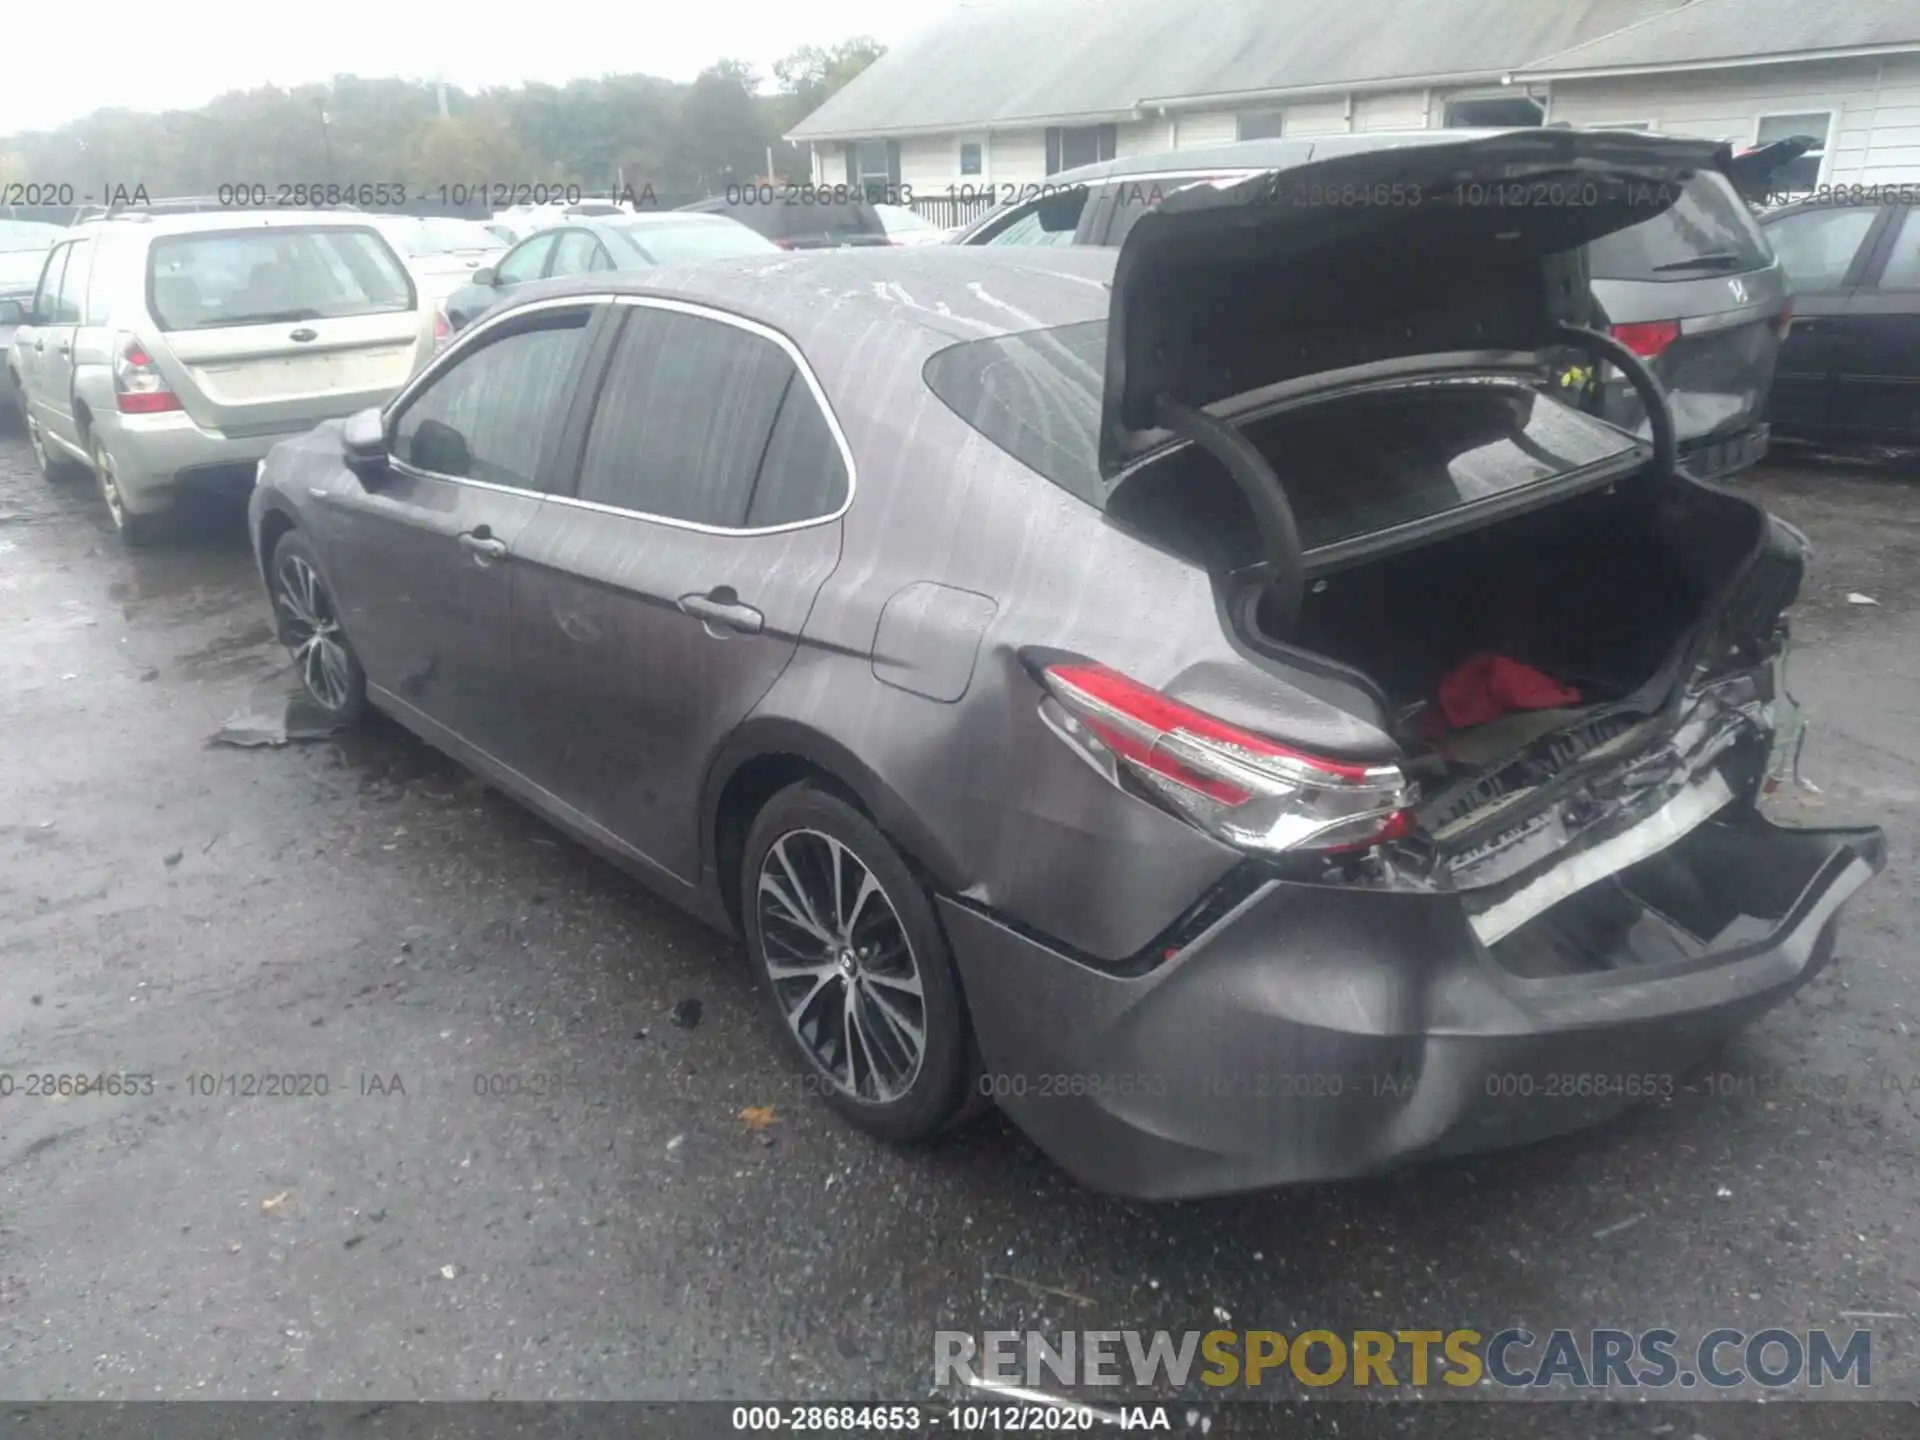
x=170 y=352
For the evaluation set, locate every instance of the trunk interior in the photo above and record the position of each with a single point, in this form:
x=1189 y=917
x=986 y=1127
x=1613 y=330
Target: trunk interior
x=1593 y=592
x=1594 y=588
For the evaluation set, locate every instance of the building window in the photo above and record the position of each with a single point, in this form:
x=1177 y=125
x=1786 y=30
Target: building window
x=1260 y=124
x=1618 y=125
x=875 y=164
x=1072 y=146
x=973 y=157
x=1501 y=113
x=1804 y=173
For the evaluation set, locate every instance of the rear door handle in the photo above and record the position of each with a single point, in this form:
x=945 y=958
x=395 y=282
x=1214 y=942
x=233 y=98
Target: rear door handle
x=722 y=607
x=484 y=546
x=66 y=349
x=39 y=346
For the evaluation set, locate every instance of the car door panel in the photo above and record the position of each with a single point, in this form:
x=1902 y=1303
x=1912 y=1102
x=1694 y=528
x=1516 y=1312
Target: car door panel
x=1876 y=366
x=646 y=637
x=1824 y=251
x=33 y=339
x=423 y=560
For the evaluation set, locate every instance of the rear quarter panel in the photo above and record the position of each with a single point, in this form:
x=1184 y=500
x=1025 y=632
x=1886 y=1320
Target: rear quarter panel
x=976 y=788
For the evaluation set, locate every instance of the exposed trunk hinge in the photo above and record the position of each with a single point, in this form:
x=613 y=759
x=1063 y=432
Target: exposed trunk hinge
x=1279 y=534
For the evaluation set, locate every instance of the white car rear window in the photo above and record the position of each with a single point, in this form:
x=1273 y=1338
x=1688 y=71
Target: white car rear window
x=271 y=276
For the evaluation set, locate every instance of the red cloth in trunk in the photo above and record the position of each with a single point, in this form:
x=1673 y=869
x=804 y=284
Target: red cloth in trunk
x=1485 y=686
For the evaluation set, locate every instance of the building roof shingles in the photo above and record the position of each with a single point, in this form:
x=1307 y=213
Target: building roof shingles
x=996 y=64
x=1709 y=31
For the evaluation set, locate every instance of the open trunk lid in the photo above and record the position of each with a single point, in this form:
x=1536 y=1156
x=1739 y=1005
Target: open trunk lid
x=1465 y=249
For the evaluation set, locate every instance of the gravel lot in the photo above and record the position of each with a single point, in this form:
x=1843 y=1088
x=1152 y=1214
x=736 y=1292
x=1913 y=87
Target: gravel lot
x=363 y=910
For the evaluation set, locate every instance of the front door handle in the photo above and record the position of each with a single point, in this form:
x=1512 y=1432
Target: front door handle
x=483 y=545
x=721 y=606
x=65 y=348
x=39 y=345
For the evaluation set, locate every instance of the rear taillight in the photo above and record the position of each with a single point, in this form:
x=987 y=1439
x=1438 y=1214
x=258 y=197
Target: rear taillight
x=1785 y=322
x=1648 y=338
x=1243 y=788
x=138 y=386
x=785 y=244
x=442 y=330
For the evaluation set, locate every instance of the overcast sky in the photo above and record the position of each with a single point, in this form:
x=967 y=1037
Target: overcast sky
x=182 y=54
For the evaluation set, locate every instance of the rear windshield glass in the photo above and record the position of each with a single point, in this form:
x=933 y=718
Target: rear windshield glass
x=779 y=214
x=1351 y=466
x=668 y=242
x=1709 y=231
x=437 y=235
x=267 y=276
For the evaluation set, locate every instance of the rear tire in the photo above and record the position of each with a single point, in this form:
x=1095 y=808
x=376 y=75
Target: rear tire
x=850 y=956
x=52 y=462
x=133 y=530
x=306 y=619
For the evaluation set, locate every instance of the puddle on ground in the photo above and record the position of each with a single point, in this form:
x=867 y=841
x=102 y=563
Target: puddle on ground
x=277 y=711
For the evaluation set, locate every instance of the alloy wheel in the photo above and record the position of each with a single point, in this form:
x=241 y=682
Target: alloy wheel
x=843 y=971
x=103 y=469
x=313 y=632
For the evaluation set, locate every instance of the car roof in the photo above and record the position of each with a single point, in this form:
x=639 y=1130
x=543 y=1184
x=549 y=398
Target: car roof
x=1275 y=153
x=842 y=295
x=193 y=222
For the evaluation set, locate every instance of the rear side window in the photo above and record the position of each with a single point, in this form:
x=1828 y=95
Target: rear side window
x=667 y=242
x=1134 y=198
x=1708 y=231
x=804 y=475
x=685 y=415
x=489 y=416
x=1035 y=394
x=272 y=275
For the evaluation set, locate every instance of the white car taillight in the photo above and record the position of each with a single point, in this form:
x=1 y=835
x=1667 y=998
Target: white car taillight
x=442 y=330
x=138 y=386
x=1243 y=788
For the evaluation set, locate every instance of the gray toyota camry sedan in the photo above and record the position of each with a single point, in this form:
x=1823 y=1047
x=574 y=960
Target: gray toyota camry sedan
x=1205 y=699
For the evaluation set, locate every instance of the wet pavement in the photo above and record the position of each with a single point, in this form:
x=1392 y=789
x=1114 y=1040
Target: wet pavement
x=501 y=1168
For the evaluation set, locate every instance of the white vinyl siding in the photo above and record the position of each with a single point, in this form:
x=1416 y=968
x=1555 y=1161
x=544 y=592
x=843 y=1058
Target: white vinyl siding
x=1206 y=127
x=1390 y=110
x=1875 y=105
x=930 y=163
x=1019 y=157
x=1144 y=137
x=1318 y=117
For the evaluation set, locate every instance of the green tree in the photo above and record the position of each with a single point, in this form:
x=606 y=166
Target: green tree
x=723 y=132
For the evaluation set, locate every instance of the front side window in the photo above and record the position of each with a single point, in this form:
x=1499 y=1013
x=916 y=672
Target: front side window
x=1801 y=175
x=71 y=303
x=270 y=275
x=686 y=413
x=489 y=417
x=1816 y=247
x=527 y=261
x=573 y=255
x=1903 y=264
x=46 y=297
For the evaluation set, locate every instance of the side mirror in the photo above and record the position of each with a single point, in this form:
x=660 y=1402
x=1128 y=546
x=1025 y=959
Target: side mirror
x=363 y=444
x=13 y=312
x=440 y=448
x=483 y=276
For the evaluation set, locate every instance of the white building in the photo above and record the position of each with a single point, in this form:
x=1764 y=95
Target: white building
x=1001 y=94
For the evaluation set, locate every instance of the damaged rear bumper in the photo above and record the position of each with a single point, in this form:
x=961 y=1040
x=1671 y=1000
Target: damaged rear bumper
x=1319 y=1032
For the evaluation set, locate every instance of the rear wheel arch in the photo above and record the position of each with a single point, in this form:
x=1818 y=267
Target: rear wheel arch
x=761 y=760
x=276 y=522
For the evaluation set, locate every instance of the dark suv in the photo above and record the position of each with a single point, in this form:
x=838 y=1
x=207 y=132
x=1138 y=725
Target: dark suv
x=799 y=219
x=1694 y=291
